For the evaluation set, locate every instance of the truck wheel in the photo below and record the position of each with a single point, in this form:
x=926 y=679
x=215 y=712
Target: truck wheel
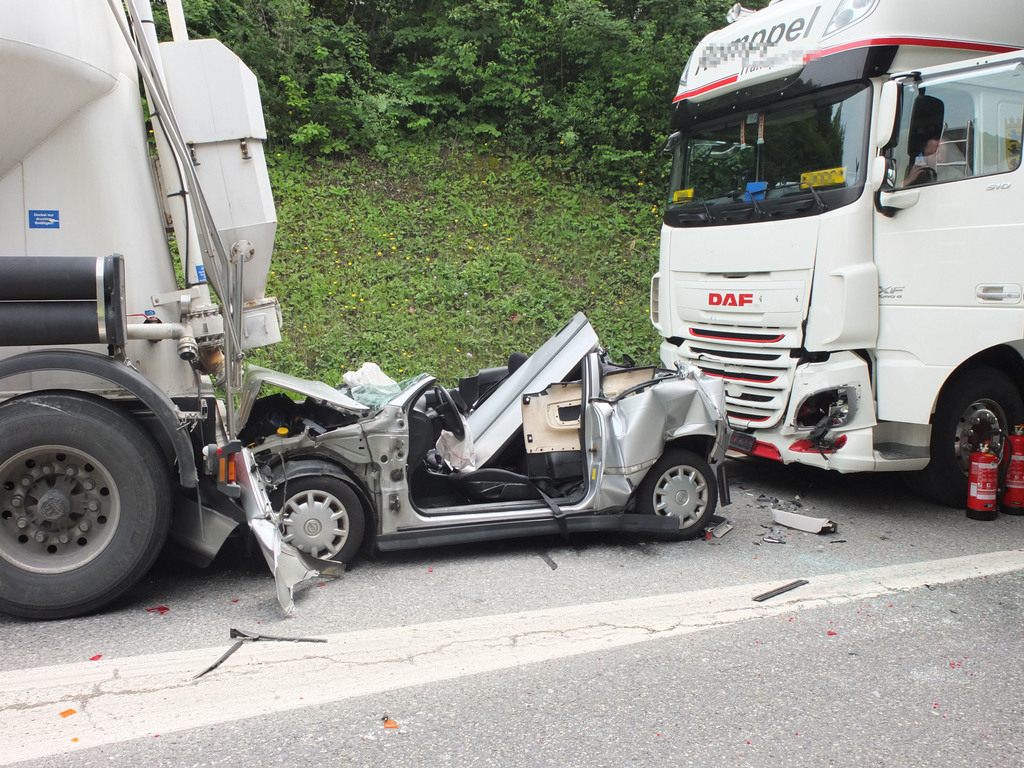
x=973 y=407
x=322 y=516
x=680 y=484
x=85 y=504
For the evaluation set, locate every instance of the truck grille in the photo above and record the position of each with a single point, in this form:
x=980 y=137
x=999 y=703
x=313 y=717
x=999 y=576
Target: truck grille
x=756 y=366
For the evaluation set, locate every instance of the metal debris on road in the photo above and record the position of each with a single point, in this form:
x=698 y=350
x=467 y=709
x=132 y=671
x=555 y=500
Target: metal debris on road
x=803 y=522
x=779 y=590
x=719 y=530
x=771 y=501
x=774 y=536
x=549 y=560
x=244 y=637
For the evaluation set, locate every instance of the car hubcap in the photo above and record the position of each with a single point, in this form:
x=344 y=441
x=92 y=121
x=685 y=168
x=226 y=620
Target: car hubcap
x=681 y=492
x=316 y=522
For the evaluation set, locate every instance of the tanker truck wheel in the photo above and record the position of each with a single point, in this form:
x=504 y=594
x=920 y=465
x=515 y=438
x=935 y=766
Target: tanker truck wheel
x=974 y=406
x=85 y=504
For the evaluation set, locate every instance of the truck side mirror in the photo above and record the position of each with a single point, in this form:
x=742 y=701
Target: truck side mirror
x=885 y=127
x=877 y=172
x=888 y=105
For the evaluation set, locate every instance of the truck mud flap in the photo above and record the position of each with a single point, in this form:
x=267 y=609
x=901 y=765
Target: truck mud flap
x=200 y=527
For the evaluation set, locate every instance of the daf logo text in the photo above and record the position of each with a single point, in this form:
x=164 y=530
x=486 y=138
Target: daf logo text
x=730 y=299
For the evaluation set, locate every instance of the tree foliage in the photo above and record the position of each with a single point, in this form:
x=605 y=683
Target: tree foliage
x=588 y=82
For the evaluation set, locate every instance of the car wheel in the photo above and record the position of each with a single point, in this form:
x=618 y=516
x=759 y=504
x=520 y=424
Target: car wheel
x=84 y=504
x=680 y=484
x=973 y=408
x=322 y=516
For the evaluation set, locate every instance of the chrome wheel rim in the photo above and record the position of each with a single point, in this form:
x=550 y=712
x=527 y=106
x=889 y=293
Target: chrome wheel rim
x=980 y=422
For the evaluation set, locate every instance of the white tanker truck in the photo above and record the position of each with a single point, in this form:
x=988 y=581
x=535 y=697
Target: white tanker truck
x=110 y=357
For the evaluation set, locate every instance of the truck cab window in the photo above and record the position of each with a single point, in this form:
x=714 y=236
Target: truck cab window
x=960 y=126
x=785 y=160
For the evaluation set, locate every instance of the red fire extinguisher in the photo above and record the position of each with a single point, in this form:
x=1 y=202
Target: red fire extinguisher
x=983 y=484
x=1012 y=501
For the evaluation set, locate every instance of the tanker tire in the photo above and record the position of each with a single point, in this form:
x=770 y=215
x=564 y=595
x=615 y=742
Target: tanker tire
x=983 y=393
x=85 y=504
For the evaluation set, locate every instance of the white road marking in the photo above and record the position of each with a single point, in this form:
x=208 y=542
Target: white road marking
x=120 y=699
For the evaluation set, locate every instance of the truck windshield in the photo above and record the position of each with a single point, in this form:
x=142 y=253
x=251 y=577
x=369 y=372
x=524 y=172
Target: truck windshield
x=793 y=158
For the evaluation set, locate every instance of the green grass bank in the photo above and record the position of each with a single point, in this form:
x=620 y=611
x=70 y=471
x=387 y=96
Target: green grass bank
x=446 y=259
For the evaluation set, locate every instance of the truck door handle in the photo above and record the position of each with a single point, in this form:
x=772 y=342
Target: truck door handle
x=1005 y=293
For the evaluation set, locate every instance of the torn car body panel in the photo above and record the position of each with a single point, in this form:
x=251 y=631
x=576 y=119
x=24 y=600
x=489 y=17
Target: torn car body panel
x=498 y=417
x=289 y=564
x=561 y=442
x=256 y=378
x=645 y=418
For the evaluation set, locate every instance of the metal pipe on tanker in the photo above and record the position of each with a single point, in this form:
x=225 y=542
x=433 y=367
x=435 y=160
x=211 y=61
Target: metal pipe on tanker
x=188 y=349
x=147 y=59
x=158 y=331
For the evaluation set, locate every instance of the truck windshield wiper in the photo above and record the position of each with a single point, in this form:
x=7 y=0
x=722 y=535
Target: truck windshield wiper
x=743 y=196
x=699 y=217
x=817 y=197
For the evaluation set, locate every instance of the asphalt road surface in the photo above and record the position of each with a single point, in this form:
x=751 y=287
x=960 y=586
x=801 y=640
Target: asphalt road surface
x=905 y=647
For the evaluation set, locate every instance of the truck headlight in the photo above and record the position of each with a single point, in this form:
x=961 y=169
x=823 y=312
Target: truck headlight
x=831 y=407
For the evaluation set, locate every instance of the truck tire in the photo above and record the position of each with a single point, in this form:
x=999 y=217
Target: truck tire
x=322 y=516
x=680 y=484
x=85 y=504
x=972 y=407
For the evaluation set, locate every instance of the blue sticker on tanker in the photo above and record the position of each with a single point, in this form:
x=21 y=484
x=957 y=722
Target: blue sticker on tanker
x=43 y=219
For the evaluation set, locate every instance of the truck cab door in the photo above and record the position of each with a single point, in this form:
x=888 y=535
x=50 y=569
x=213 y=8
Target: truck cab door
x=949 y=233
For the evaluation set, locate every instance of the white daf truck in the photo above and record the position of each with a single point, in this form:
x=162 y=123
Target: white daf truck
x=843 y=237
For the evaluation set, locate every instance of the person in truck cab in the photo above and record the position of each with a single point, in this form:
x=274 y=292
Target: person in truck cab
x=923 y=144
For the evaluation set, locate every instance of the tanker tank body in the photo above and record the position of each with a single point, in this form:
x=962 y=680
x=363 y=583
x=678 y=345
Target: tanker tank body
x=111 y=349
x=76 y=177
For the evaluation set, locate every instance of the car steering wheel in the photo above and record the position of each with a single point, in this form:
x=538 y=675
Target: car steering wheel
x=451 y=419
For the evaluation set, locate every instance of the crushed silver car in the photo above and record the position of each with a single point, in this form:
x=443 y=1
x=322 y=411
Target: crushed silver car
x=557 y=442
